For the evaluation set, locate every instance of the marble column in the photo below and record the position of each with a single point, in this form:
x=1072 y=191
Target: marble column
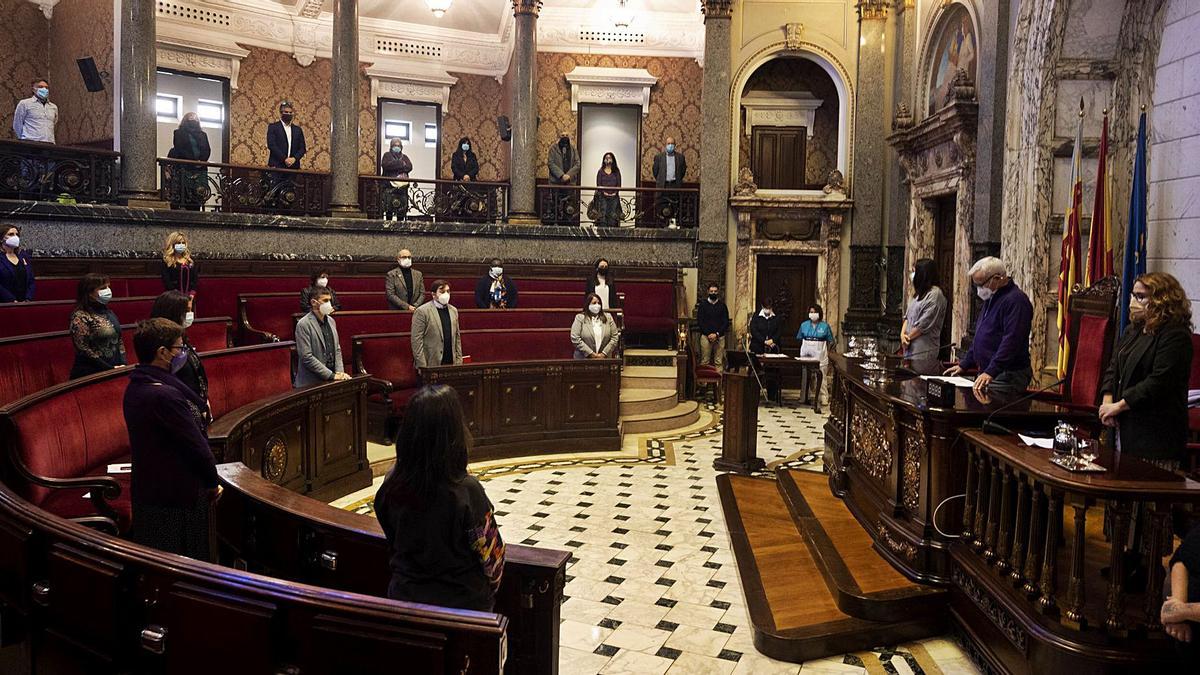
x=522 y=167
x=139 y=125
x=897 y=223
x=343 y=200
x=869 y=183
x=991 y=88
x=716 y=128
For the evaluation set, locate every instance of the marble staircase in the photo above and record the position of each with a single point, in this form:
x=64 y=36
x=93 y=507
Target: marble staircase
x=648 y=393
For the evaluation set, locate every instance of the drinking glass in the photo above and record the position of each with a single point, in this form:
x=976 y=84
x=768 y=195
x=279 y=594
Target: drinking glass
x=1087 y=450
x=852 y=344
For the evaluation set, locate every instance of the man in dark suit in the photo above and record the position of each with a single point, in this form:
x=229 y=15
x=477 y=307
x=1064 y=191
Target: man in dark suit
x=285 y=141
x=670 y=166
x=562 y=163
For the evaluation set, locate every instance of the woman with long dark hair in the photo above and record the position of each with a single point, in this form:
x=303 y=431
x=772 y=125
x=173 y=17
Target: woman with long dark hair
x=594 y=332
x=921 y=334
x=445 y=547
x=95 y=329
x=608 y=201
x=177 y=307
x=463 y=163
x=600 y=281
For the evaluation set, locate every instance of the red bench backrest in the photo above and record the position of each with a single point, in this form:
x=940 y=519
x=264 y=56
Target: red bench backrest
x=243 y=375
x=387 y=356
x=206 y=335
x=31 y=318
x=33 y=363
x=649 y=305
x=535 y=344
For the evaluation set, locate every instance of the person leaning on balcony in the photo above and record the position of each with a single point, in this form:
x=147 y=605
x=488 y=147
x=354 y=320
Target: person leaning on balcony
x=395 y=164
x=35 y=117
x=190 y=142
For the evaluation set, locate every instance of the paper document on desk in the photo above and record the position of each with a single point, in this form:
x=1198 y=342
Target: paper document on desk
x=1043 y=443
x=775 y=356
x=956 y=381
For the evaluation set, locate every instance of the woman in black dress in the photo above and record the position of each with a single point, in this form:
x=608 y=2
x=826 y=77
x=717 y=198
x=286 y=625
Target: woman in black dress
x=177 y=307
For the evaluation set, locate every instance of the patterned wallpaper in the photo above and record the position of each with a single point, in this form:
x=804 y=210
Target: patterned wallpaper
x=796 y=74
x=81 y=28
x=475 y=102
x=674 y=104
x=26 y=31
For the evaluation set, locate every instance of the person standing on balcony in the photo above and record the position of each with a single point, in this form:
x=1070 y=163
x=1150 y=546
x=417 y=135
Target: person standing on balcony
x=563 y=165
x=395 y=164
x=463 y=163
x=191 y=143
x=608 y=201
x=670 y=166
x=285 y=140
x=35 y=117
x=179 y=270
x=466 y=203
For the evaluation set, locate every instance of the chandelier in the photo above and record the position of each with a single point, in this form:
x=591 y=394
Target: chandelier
x=438 y=7
x=622 y=15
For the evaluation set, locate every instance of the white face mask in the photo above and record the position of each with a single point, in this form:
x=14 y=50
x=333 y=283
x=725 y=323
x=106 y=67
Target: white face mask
x=443 y=298
x=104 y=294
x=813 y=316
x=767 y=313
x=180 y=248
x=497 y=271
x=322 y=282
x=189 y=319
x=405 y=262
x=984 y=293
x=912 y=276
x=326 y=308
x=13 y=242
x=594 y=308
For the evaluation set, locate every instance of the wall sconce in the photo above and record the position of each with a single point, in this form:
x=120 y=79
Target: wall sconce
x=438 y=7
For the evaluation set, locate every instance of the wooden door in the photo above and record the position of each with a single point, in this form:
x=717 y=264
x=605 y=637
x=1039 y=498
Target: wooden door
x=945 y=221
x=777 y=157
x=791 y=281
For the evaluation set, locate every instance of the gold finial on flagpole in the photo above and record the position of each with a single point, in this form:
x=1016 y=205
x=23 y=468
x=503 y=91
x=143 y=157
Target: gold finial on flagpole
x=1143 y=107
x=1106 y=112
x=1081 y=106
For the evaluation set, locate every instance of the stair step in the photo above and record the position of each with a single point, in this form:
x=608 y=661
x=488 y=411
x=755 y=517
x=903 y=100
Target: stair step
x=862 y=582
x=650 y=352
x=677 y=417
x=648 y=377
x=650 y=357
x=640 y=401
x=794 y=616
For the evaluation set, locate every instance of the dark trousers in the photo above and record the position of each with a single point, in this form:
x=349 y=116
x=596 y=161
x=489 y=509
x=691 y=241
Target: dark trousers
x=666 y=205
x=609 y=211
x=566 y=207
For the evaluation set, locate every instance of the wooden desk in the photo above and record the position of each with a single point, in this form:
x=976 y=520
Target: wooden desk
x=895 y=459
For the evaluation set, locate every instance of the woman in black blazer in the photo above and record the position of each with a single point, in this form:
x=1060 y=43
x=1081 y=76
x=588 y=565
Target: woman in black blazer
x=1146 y=387
x=16 y=274
x=602 y=278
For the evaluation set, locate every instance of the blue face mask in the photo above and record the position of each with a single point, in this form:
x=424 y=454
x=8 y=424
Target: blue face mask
x=670 y=147
x=43 y=92
x=397 y=149
x=178 y=361
x=466 y=147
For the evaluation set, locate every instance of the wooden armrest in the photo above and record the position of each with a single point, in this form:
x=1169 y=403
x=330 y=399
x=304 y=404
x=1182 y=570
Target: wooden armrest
x=103 y=488
x=102 y=523
x=378 y=385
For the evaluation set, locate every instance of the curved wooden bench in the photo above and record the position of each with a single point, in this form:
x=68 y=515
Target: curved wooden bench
x=32 y=318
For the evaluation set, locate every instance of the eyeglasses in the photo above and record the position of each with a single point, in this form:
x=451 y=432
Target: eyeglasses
x=986 y=281
x=175 y=347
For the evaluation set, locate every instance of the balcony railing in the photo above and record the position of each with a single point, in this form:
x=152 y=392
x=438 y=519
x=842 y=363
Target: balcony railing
x=631 y=207
x=231 y=188
x=46 y=172
x=422 y=199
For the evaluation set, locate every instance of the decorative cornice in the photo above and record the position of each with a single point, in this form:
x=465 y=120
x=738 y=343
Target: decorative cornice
x=202 y=59
x=429 y=87
x=716 y=9
x=611 y=85
x=532 y=7
x=872 y=10
x=664 y=34
x=780 y=109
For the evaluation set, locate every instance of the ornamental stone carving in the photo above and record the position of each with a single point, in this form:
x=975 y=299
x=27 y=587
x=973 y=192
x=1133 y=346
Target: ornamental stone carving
x=591 y=84
x=533 y=7
x=716 y=9
x=780 y=109
x=202 y=60
x=431 y=87
x=793 y=33
x=835 y=183
x=745 y=185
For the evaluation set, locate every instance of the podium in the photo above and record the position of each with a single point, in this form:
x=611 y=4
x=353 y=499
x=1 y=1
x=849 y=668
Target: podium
x=739 y=441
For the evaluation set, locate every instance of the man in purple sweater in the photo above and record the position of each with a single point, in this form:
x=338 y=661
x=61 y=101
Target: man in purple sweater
x=1001 y=348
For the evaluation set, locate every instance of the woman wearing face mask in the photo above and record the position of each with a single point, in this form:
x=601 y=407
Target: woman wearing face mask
x=189 y=142
x=765 y=329
x=921 y=334
x=1145 y=390
x=16 y=274
x=179 y=271
x=463 y=163
x=189 y=369
x=601 y=283
x=318 y=351
x=395 y=164
x=468 y=204
x=594 y=333
x=608 y=202
x=318 y=279
x=816 y=338
x=95 y=329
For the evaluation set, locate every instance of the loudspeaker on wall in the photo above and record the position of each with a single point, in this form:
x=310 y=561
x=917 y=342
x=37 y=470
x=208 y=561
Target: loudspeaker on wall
x=91 y=76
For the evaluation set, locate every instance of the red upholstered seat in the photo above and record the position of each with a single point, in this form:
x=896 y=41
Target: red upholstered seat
x=208 y=335
x=1088 y=363
x=488 y=346
x=34 y=362
x=243 y=375
x=387 y=357
x=74 y=502
x=649 y=307
x=553 y=299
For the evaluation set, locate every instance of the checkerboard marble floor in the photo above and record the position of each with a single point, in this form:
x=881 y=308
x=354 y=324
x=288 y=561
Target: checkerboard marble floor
x=652 y=586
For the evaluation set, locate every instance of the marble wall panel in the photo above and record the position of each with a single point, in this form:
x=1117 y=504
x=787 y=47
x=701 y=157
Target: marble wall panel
x=26 y=33
x=81 y=28
x=674 y=105
x=798 y=74
x=1095 y=25
x=1096 y=96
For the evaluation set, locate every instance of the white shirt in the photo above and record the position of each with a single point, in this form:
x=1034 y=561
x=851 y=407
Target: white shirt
x=287 y=131
x=34 y=120
x=602 y=291
x=598 y=333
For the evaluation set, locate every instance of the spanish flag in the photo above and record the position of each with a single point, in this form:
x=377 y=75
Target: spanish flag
x=1068 y=271
x=1100 y=244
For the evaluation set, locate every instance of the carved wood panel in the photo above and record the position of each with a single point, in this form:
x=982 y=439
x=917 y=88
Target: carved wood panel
x=521 y=403
x=869 y=444
x=86 y=598
x=190 y=613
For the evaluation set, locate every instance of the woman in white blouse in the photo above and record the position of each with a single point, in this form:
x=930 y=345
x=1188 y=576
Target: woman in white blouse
x=594 y=333
x=601 y=283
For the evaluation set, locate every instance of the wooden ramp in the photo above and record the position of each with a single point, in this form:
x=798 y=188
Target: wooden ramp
x=806 y=597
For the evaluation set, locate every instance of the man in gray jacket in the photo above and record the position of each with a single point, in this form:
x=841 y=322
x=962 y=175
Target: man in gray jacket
x=405 y=285
x=317 y=348
x=669 y=168
x=436 y=340
x=563 y=165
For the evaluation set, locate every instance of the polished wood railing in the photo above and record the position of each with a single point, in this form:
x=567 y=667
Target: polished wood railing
x=422 y=199
x=1013 y=523
x=46 y=172
x=232 y=188
x=633 y=207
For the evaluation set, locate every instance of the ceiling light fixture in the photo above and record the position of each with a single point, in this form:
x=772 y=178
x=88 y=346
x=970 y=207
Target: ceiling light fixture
x=622 y=15
x=438 y=7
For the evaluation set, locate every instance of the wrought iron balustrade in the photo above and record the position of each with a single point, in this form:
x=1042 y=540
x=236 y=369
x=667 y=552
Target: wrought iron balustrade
x=231 y=188
x=46 y=172
x=436 y=200
x=629 y=207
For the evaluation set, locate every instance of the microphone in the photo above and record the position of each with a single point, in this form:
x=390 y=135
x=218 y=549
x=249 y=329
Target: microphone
x=750 y=358
x=990 y=427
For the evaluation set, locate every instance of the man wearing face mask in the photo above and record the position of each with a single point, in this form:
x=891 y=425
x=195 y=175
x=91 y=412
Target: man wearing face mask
x=563 y=165
x=712 y=316
x=1001 y=347
x=35 y=117
x=285 y=140
x=174 y=478
x=494 y=290
x=405 y=285
x=189 y=142
x=318 y=352
x=436 y=340
x=395 y=164
x=670 y=166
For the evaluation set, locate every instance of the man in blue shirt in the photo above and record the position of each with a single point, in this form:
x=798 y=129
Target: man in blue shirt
x=35 y=117
x=1001 y=347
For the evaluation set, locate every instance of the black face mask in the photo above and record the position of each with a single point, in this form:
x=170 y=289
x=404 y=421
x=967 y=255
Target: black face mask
x=602 y=270
x=712 y=296
x=564 y=143
x=286 y=117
